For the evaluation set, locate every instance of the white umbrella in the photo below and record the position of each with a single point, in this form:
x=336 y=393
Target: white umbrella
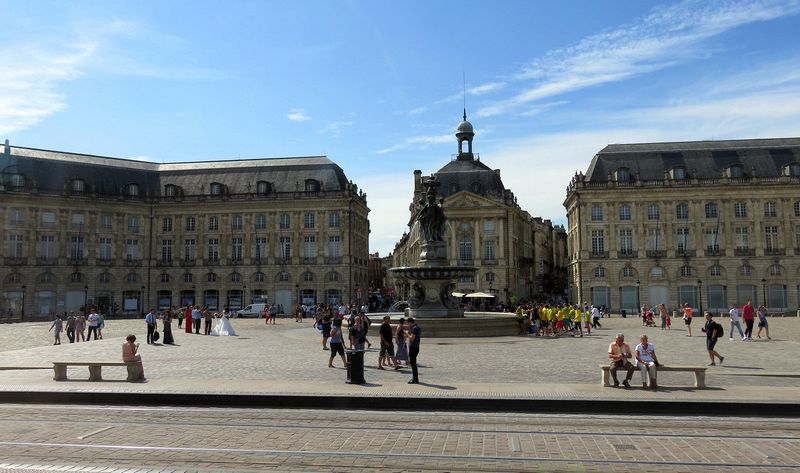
x=480 y=294
x=458 y=294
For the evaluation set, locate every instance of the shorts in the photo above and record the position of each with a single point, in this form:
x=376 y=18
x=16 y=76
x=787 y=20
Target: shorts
x=687 y=321
x=387 y=349
x=337 y=348
x=326 y=330
x=710 y=343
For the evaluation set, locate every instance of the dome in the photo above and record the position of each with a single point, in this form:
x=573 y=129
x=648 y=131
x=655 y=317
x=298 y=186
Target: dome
x=464 y=127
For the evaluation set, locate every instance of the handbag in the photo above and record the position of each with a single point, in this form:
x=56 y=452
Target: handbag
x=155 y=336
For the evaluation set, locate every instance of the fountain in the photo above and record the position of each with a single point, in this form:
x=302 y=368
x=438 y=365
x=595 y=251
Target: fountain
x=431 y=280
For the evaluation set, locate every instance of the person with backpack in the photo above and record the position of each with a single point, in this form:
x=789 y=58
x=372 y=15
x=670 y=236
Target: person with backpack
x=713 y=331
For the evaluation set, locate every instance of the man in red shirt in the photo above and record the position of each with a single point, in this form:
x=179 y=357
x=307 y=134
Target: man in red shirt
x=749 y=315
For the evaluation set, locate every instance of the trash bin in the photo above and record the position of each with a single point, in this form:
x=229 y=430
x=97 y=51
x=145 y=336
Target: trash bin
x=623 y=313
x=355 y=367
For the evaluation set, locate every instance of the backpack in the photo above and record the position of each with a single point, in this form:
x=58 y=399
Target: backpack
x=720 y=331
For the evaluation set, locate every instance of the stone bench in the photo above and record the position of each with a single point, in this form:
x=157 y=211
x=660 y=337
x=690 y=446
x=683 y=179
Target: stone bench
x=95 y=369
x=699 y=373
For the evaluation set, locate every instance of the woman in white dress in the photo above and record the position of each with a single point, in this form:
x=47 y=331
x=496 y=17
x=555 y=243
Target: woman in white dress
x=223 y=327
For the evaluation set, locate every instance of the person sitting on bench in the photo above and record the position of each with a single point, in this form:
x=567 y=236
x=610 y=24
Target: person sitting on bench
x=619 y=353
x=129 y=355
x=647 y=361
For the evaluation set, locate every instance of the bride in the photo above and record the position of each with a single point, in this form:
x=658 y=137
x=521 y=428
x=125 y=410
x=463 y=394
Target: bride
x=223 y=327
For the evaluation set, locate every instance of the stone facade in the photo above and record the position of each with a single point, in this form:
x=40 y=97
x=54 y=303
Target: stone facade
x=126 y=234
x=710 y=223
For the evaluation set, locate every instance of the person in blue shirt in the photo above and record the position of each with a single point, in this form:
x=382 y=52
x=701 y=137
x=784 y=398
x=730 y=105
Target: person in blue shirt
x=150 y=319
x=414 y=338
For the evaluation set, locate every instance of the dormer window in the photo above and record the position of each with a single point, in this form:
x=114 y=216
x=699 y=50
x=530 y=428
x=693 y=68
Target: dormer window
x=623 y=175
x=170 y=190
x=312 y=185
x=263 y=188
x=132 y=190
x=792 y=169
x=77 y=186
x=16 y=180
x=476 y=187
x=216 y=188
x=735 y=171
x=678 y=174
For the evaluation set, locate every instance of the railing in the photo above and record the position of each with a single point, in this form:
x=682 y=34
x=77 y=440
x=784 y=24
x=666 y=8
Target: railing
x=212 y=261
x=466 y=262
x=46 y=261
x=744 y=252
x=713 y=251
x=333 y=260
x=656 y=253
x=188 y=262
x=489 y=262
x=235 y=261
x=105 y=261
x=774 y=251
x=627 y=254
x=77 y=261
x=310 y=260
x=15 y=261
x=598 y=255
x=163 y=263
x=687 y=253
x=133 y=262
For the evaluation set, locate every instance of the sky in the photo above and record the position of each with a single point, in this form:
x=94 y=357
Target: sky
x=379 y=87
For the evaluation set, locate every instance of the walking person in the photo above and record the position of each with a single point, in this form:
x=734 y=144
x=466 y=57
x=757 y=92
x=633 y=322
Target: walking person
x=208 y=319
x=80 y=327
x=712 y=330
x=687 y=318
x=647 y=361
x=762 y=322
x=166 y=320
x=734 y=315
x=386 y=355
x=196 y=317
x=178 y=314
x=325 y=321
x=101 y=323
x=187 y=314
x=337 y=343
x=662 y=312
x=596 y=317
x=748 y=312
x=150 y=320
x=57 y=325
x=414 y=337
x=619 y=353
x=71 y=327
x=93 y=322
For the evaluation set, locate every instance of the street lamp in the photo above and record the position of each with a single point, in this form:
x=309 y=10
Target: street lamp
x=764 y=289
x=85 y=298
x=638 y=300
x=141 y=299
x=22 y=310
x=244 y=295
x=700 y=294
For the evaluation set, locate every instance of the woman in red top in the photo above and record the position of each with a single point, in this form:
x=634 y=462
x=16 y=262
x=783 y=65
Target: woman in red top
x=687 y=318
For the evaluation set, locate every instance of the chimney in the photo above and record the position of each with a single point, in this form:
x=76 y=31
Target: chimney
x=497 y=171
x=7 y=149
x=417 y=180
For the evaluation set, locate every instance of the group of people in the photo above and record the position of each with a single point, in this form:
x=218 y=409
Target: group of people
x=196 y=314
x=556 y=320
x=749 y=314
x=76 y=326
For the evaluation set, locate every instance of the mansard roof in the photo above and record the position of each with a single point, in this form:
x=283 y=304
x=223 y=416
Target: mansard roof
x=460 y=175
x=699 y=159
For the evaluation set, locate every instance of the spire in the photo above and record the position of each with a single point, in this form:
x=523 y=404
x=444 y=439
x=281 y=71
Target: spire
x=465 y=113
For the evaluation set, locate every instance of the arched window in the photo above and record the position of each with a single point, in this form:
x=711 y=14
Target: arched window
x=283 y=276
x=77 y=186
x=312 y=185
x=715 y=270
x=308 y=276
x=259 y=277
x=236 y=277
x=216 y=188
x=628 y=272
x=211 y=277
x=775 y=270
x=656 y=272
x=132 y=190
x=476 y=187
x=76 y=277
x=770 y=210
x=170 y=190
x=597 y=212
x=599 y=272
x=46 y=278
x=104 y=278
x=682 y=211
x=653 y=212
x=263 y=188
x=164 y=278
x=735 y=171
x=333 y=276
x=746 y=270
x=16 y=180
x=679 y=173
x=131 y=277
x=711 y=210
x=623 y=175
x=490 y=277
x=685 y=271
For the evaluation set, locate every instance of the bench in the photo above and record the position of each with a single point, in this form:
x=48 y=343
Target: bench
x=699 y=373
x=95 y=369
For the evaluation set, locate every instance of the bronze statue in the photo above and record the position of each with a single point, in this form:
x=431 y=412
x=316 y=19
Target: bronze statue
x=431 y=216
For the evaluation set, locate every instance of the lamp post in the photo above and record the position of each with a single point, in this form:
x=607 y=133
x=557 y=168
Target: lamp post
x=141 y=298
x=22 y=309
x=638 y=300
x=85 y=298
x=297 y=289
x=243 y=302
x=700 y=294
x=764 y=289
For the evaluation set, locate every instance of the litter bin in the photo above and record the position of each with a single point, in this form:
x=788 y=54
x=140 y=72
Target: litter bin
x=355 y=367
x=623 y=313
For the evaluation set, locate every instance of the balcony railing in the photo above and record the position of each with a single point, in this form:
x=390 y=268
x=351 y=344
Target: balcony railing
x=656 y=253
x=212 y=262
x=598 y=255
x=627 y=254
x=105 y=261
x=188 y=262
x=164 y=263
x=333 y=260
x=46 y=261
x=714 y=251
x=77 y=261
x=235 y=261
x=466 y=262
x=489 y=262
x=774 y=251
x=686 y=253
x=744 y=252
x=310 y=260
x=16 y=261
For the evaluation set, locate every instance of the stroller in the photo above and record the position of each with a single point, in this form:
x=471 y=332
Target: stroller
x=647 y=319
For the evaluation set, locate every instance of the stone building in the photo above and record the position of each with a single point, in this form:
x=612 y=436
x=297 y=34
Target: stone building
x=122 y=234
x=711 y=223
x=517 y=256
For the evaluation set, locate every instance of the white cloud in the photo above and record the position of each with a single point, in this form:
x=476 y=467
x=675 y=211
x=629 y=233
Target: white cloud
x=486 y=88
x=335 y=128
x=418 y=142
x=298 y=115
x=418 y=110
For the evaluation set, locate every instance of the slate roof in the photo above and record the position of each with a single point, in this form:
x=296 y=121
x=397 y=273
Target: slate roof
x=52 y=170
x=460 y=175
x=700 y=159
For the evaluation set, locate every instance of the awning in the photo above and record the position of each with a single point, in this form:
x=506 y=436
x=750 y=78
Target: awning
x=480 y=294
x=458 y=294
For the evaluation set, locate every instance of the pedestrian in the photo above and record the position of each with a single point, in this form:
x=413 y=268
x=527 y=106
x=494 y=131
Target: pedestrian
x=337 y=343
x=166 y=320
x=386 y=355
x=414 y=338
x=662 y=312
x=400 y=341
x=762 y=322
x=712 y=330
x=298 y=313
x=734 y=315
x=58 y=326
x=71 y=327
x=101 y=323
x=619 y=353
x=80 y=327
x=687 y=318
x=748 y=312
x=93 y=322
x=150 y=320
x=596 y=317
x=266 y=314
x=178 y=314
x=196 y=318
x=647 y=361
x=129 y=354
x=208 y=318
x=358 y=334
x=325 y=321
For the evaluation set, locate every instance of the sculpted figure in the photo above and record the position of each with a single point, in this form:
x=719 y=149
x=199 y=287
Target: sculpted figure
x=431 y=218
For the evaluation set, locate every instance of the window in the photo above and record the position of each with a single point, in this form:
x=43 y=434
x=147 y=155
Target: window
x=623 y=175
x=655 y=242
x=626 y=241
x=682 y=211
x=769 y=209
x=656 y=272
x=132 y=190
x=742 y=241
x=628 y=272
x=76 y=247
x=653 y=212
x=77 y=221
x=746 y=270
x=164 y=278
x=166 y=224
x=261 y=248
x=47 y=247
x=49 y=219
x=106 y=222
x=236 y=277
x=236 y=249
x=735 y=171
x=104 y=278
x=624 y=212
x=312 y=185
x=213 y=249
x=17 y=217
x=189 y=250
x=771 y=238
x=76 y=277
x=261 y=222
x=309 y=246
x=285 y=247
x=334 y=246
x=216 y=188
x=775 y=270
x=166 y=251
x=285 y=221
x=712 y=240
x=792 y=169
x=259 y=277
x=15 y=246
x=308 y=276
x=263 y=188
x=131 y=249
x=679 y=174
x=465 y=249
x=78 y=186
x=683 y=242
x=333 y=276
x=170 y=191
x=740 y=209
x=333 y=220
x=236 y=222
x=488 y=227
x=715 y=270
x=17 y=180
x=711 y=210
x=105 y=248
x=133 y=224
x=598 y=242
x=490 y=277
x=187 y=277
x=191 y=224
x=308 y=220
x=213 y=223
x=597 y=213
x=131 y=277
x=211 y=277
x=489 y=250
x=797 y=208
x=599 y=272
x=283 y=277
x=797 y=240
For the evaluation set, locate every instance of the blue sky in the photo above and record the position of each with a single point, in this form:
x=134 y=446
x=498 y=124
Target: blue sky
x=377 y=86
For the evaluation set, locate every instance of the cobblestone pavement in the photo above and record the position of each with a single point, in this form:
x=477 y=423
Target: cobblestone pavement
x=105 y=439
